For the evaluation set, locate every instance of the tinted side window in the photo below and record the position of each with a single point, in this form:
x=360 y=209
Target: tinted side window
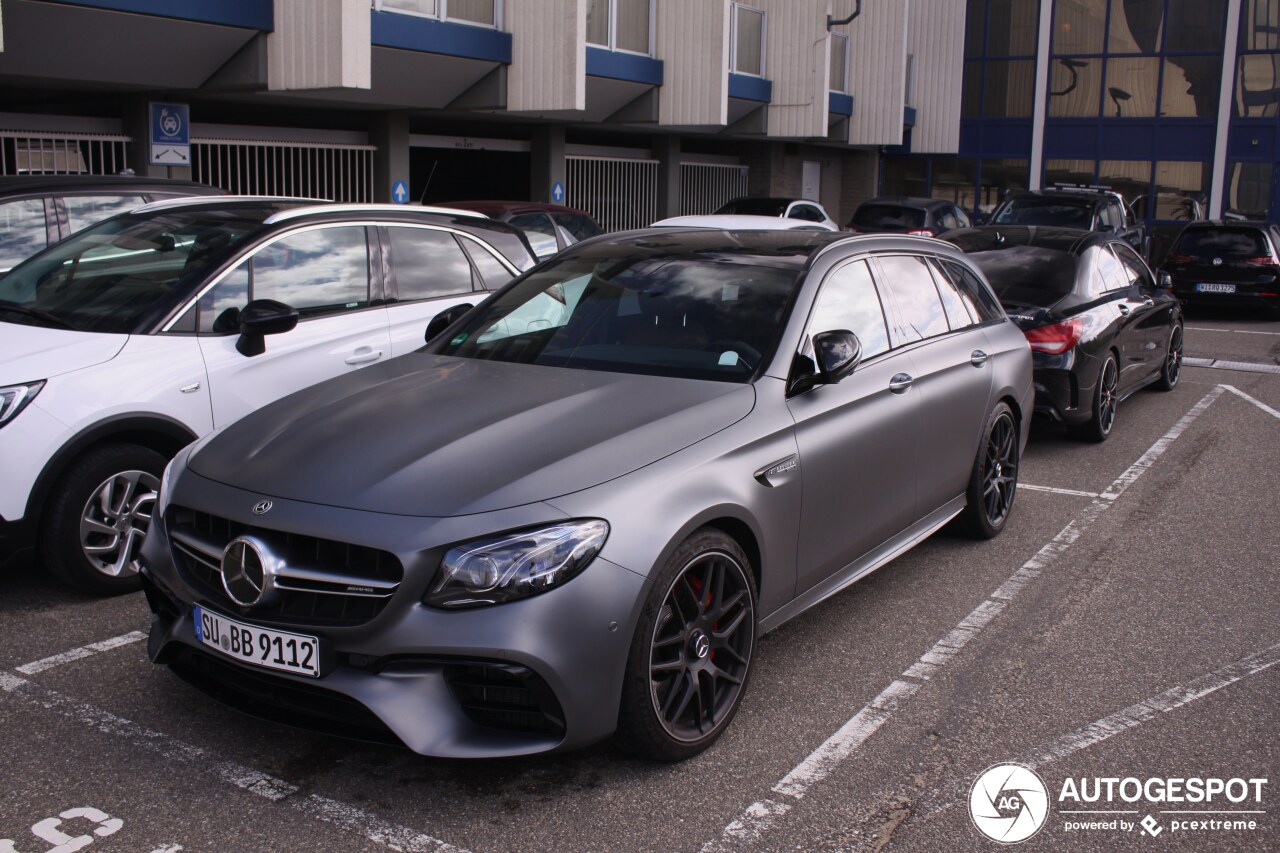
x=959 y=314
x=581 y=227
x=427 y=264
x=22 y=231
x=848 y=300
x=541 y=233
x=949 y=220
x=1134 y=268
x=807 y=212
x=920 y=311
x=962 y=217
x=84 y=210
x=220 y=307
x=977 y=296
x=492 y=273
x=1112 y=272
x=321 y=271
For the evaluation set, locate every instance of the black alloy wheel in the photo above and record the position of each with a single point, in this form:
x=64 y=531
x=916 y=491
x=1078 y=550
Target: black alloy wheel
x=1171 y=369
x=691 y=655
x=1105 y=400
x=994 y=481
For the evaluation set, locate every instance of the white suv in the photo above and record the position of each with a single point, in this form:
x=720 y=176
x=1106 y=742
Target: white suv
x=135 y=337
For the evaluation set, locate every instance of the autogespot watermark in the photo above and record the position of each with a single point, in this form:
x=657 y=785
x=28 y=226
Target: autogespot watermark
x=1010 y=803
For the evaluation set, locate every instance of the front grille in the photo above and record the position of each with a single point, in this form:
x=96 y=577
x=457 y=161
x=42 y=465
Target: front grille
x=505 y=696
x=324 y=582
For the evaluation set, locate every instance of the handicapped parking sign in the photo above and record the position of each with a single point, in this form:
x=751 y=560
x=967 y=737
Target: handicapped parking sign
x=400 y=192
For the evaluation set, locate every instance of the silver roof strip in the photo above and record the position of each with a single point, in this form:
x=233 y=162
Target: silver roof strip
x=295 y=212
x=193 y=200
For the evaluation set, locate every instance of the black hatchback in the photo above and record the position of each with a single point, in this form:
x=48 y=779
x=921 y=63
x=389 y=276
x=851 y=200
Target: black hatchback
x=1227 y=263
x=1098 y=324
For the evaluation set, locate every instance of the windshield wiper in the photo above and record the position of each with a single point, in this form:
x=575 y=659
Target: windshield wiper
x=15 y=308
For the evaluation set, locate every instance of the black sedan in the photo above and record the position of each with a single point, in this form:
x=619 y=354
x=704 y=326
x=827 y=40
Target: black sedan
x=1099 y=325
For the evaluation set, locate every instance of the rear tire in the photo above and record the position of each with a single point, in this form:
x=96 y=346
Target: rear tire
x=691 y=655
x=1171 y=370
x=97 y=515
x=994 y=481
x=1105 y=399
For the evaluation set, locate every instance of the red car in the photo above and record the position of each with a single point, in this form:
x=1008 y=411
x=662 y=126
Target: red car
x=549 y=227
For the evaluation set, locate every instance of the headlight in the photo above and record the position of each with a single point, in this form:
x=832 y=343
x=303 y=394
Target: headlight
x=516 y=565
x=14 y=399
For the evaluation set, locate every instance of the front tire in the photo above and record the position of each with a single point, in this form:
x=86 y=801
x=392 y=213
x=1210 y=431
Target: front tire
x=690 y=658
x=994 y=481
x=1171 y=370
x=97 y=515
x=1105 y=400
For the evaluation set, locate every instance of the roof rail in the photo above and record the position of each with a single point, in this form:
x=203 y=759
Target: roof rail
x=294 y=212
x=190 y=201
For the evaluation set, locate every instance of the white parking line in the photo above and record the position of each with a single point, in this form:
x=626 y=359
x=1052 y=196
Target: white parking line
x=1233 y=331
x=760 y=816
x=194 y=759
x=1057 y=491
x=1122 y=720
x=80 y=653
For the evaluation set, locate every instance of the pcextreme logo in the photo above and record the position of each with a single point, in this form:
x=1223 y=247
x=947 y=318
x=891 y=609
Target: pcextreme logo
x=1009 y=803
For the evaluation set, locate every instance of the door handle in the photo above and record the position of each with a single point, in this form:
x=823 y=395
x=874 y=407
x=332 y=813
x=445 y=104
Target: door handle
x=1148 y=301
x=1125 y=309
x=364 y=357
x=978 y=358
x=900 y=383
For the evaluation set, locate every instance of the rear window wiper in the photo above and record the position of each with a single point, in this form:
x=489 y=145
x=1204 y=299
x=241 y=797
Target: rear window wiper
x=15 y=308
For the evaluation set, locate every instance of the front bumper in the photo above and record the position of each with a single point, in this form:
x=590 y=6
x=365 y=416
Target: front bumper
x=536 y=675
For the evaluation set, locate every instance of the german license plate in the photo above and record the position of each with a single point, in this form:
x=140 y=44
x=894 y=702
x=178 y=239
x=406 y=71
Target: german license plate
x=1205 y=287
x=296 y=653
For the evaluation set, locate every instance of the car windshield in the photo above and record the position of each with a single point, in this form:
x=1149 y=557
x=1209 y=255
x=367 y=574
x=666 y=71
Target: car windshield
x=890 y=216
x=1038 y=210
x=698 y=316
x=109 y=277
x=1226 y=243
x=756 y=206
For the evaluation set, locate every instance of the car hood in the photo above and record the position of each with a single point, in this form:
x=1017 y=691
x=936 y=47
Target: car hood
x=430 y=435
x=29 y=353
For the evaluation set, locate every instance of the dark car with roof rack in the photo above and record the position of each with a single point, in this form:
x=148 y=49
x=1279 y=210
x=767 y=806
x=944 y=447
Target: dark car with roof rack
x=922 y=217
x=135 y=336
x=1090 y=208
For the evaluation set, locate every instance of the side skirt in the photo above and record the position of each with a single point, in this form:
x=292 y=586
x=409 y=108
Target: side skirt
x=857 y=570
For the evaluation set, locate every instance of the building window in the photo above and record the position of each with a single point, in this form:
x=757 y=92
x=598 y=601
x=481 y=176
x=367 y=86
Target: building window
x=478 y=12
x=620 y=25
x=908 y=85
x=747 y=56
x=839 y=63
x=1249 y=189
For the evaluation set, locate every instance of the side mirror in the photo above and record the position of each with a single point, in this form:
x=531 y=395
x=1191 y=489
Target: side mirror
x=260 y=318
x=1164 y=281
x=445 y=319
x=838 y=354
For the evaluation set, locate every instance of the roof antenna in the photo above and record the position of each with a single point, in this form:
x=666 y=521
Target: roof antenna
x=423 y=198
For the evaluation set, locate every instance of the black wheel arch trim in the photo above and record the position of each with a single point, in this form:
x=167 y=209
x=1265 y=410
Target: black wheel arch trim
x=163 y=434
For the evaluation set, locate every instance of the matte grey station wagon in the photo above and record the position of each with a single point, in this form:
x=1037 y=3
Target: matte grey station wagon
x=573 y=513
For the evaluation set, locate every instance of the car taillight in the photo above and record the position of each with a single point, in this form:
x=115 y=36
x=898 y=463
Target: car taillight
x=1259 y=262
x=852 y=229
x=1182 y=259
x=921 y=232
x=1058 y=338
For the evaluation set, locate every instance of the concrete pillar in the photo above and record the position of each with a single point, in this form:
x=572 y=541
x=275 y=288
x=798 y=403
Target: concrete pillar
x=136 y=123
x=389 y=131
x=546 y=162
x=666 y=150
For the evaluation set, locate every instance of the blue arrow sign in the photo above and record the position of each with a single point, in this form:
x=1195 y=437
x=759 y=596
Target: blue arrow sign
x=557 y=192
x=400 y=192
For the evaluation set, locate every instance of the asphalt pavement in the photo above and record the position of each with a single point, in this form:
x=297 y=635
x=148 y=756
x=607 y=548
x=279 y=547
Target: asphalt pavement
x=1125 y=627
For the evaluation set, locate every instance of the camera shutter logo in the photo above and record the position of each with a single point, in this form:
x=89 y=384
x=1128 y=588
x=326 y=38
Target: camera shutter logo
x=1009 y=803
